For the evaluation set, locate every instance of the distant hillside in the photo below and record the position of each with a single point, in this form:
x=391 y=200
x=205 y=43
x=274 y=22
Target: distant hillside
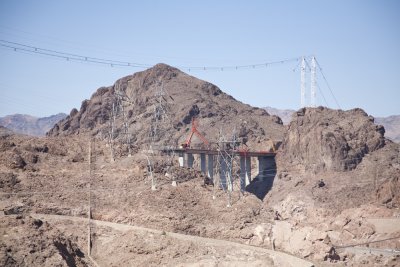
x=30 y=125
x=392 y=126
x=284 y=114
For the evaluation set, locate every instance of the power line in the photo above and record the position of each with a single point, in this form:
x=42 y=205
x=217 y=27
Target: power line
x=322 y=94
x=67 y=56
x=327 y=84
x=19 y=47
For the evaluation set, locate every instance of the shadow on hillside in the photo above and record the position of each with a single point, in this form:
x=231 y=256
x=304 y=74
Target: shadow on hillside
x=262 y=183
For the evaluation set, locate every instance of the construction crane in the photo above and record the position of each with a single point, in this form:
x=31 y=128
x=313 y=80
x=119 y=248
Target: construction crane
x=196 y=132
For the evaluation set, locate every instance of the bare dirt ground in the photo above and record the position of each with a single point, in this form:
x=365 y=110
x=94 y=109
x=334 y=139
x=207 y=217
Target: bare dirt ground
x=125 y=245
x=51 y=176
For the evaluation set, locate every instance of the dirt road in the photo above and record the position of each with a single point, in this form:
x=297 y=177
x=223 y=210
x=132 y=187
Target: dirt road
x=277 y=258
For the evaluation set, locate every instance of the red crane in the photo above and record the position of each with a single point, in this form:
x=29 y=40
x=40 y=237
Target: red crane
x=196 y=132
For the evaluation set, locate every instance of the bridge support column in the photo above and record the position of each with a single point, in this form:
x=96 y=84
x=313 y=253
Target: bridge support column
x=222 y=175
x=203 y=163
x=266 y=167
x=210 y=167
x=181 y=160
x=190 y=160
x=229 y=177
x=245 y=172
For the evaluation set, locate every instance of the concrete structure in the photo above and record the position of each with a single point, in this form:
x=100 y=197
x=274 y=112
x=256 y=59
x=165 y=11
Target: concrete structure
x=181 y=159
x=222 y=175
x=189 y=160
x=245 y=171
x=210 y=167
x=203 y=162
x=266 y=165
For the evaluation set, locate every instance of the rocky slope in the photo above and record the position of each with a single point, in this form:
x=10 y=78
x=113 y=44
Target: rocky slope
x=31 y=242
x=185 y=97
x=320 y=139
x=335 y=171
x=29 y=125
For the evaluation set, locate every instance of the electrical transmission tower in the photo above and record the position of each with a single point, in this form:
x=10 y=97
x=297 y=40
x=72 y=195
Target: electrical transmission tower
x=117 y=110
x=159 y=137
x=313 y=84
x=121 y=98
x=226 y=163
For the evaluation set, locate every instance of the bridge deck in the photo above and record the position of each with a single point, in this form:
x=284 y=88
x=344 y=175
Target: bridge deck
x=215 y=152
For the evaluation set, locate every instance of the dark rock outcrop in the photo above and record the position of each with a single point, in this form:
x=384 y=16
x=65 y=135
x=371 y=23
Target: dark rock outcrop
x=321 y=139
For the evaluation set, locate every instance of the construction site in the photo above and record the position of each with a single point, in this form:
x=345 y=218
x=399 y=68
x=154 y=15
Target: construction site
x=165 y=169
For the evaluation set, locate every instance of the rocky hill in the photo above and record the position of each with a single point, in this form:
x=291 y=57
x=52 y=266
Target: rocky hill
x=392 y=126
x=335 y=171
x=30 y=125
x=184 y=97
x=320 y=139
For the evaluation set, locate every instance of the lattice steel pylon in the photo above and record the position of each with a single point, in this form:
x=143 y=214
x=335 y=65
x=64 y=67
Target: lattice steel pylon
x=159 y=138
x=313 y=94
x=119 y=98
x=111 y=134
x=305 y=66
x=226 y=162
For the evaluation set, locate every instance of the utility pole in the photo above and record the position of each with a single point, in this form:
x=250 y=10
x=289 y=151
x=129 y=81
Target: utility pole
x=90 y=196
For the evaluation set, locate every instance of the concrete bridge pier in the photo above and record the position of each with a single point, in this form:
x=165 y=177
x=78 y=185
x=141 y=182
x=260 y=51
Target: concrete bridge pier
x=222 y=175
x=210 y=167
x=181 y=159
x=190 y=160
x=203 y=163
x=266 y=167
x=245 y=172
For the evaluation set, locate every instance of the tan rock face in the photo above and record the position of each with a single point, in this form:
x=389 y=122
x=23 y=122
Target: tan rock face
x=321 y=139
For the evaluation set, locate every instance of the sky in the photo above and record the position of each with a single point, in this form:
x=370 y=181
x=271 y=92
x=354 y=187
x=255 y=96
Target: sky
x=357 y=44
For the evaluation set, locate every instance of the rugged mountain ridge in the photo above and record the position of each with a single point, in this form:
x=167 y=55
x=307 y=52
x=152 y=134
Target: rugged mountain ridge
x=184 y=97
x=30 y=125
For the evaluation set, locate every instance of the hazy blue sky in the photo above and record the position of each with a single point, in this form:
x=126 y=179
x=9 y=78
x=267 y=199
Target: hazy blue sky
x=356 y=42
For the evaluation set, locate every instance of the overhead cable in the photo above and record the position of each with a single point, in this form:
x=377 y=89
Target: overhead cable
x=19 y=47
x=327 y=84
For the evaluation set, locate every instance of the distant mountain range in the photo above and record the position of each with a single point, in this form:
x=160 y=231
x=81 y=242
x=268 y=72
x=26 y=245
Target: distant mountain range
x=284 y=114
x=392 y=126
x=391 y=123
x=30 y=125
